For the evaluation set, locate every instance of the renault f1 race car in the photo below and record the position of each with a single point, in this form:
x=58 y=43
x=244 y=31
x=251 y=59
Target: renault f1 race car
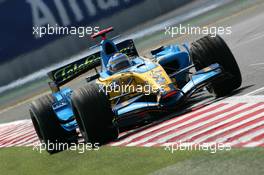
x=130 y=89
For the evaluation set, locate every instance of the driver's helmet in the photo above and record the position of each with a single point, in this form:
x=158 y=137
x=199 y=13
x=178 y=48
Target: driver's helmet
x=118 y=62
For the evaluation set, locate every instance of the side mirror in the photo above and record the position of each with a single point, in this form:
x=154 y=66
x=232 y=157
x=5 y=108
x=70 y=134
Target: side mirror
x=157 y=50
x=54 y=87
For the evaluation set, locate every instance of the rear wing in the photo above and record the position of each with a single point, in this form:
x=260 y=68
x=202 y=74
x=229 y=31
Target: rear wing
x=72 y=70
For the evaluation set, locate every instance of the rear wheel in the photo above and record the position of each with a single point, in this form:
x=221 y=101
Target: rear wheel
x=209 y=50
x=47 y=125
x=94 y=114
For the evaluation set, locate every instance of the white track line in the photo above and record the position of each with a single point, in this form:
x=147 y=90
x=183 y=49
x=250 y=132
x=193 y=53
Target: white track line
x=163 y=124
x=244 y=99
x=14 y=123
x=256 y=64
x=255 y=91
x=244 y=138
x=185 y=130
x=182 y=124
x=18 y=132
x=224 y=122
x=16 y=139
x=24 y=141
x=203 y=138
x=9 y=129
x=254 y=144
x=130 y=138
x=252 y=135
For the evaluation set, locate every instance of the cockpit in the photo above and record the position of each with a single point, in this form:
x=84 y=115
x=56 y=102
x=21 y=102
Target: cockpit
x=118 y=62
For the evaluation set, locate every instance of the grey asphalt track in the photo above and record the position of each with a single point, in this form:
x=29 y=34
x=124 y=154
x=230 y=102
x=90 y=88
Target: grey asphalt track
x=246 y=43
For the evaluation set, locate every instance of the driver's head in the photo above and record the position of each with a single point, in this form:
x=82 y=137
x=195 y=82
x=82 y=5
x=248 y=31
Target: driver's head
x=118 y=62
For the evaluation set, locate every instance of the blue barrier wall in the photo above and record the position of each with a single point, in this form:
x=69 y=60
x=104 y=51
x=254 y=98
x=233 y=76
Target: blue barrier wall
x=19 y=16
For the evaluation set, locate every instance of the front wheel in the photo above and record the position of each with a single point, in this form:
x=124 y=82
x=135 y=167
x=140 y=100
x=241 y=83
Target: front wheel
x=94 y=114
x=47 y=125
x=209 y=50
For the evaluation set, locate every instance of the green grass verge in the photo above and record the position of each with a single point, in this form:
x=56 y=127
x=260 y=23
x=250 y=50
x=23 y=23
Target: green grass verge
x=123 y=160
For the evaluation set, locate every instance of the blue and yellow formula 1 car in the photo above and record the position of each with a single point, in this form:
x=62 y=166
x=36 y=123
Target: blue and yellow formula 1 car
x=130 y=89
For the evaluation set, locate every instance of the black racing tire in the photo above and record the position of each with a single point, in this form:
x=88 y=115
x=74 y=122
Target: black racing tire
x=209 y=50
x=47 y=126
x=94 y=115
